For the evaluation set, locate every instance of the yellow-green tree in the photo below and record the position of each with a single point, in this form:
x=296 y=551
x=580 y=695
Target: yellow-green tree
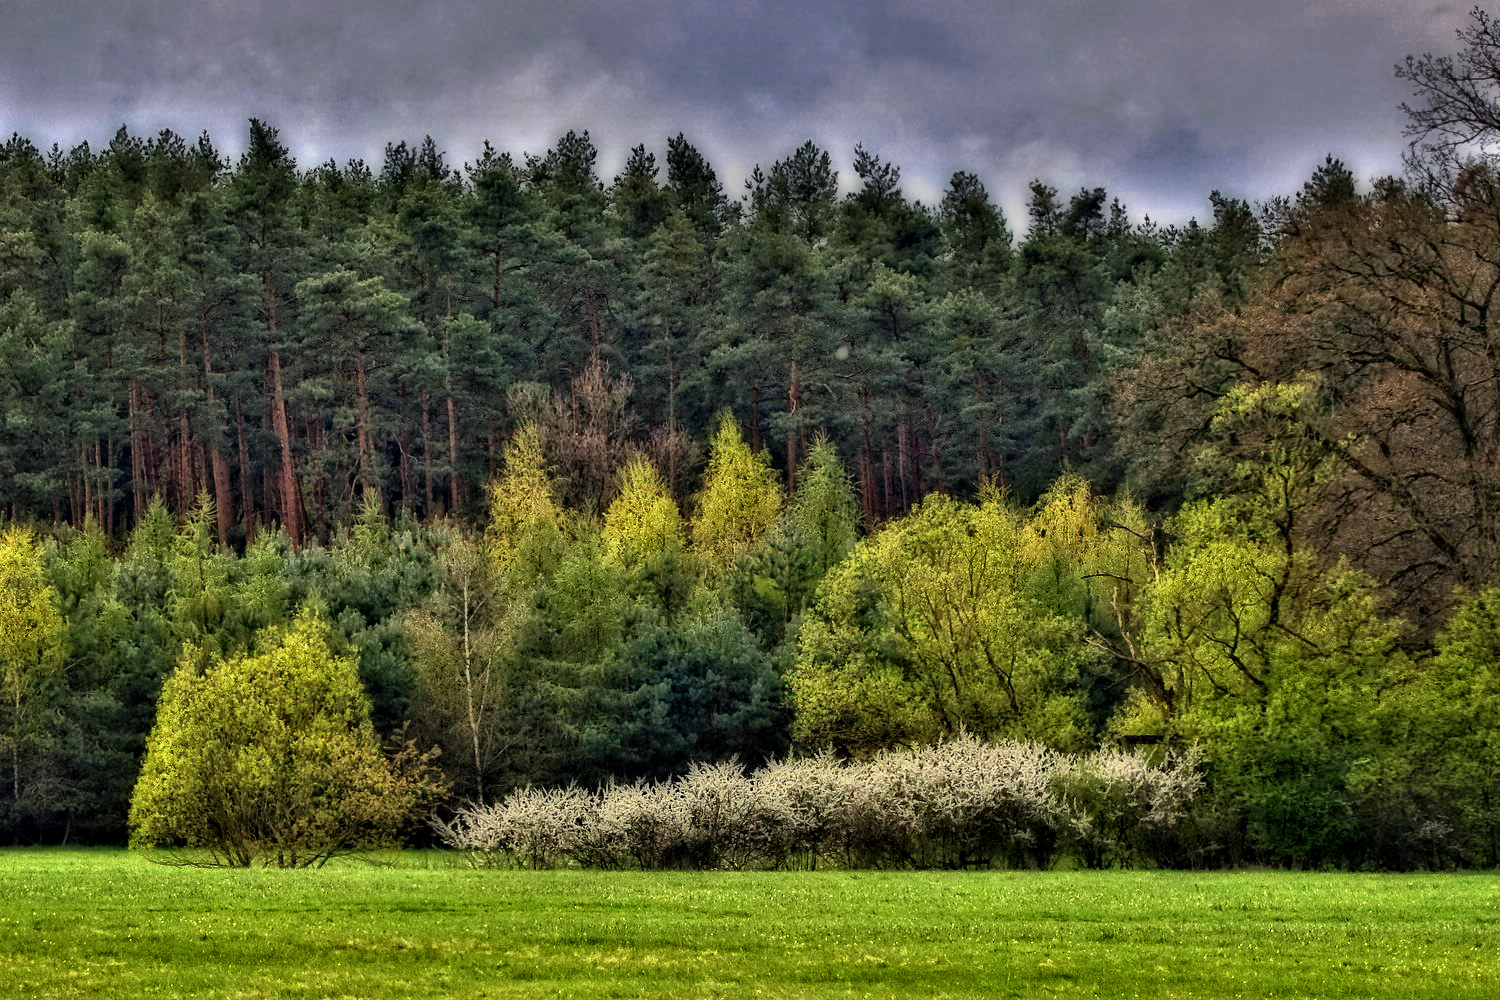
x=1450 y=723
x=740 y=502
x=645 y=537
x=270 y=758
x=927 y=631
x=31 y=639
x=816 y=531
x=1272 y=659
x=527 y=523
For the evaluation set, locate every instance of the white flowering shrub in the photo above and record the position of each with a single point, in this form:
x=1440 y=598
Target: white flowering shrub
x=960 y=804
x=987 y=803
x=1121 y=809
x=725 y=825
x=801 y=805
x=641 y=825
x=531 y=828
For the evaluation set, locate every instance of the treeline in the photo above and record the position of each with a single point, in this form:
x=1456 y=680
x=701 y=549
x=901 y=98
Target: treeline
x=565 y=647
x=288 y=339
x=291 y=341
x=598 y=482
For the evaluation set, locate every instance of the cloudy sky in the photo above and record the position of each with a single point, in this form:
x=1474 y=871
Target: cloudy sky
x=1159 y=101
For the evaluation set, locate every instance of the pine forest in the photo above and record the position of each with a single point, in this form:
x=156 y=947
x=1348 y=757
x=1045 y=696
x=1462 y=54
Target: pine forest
x=582 y=480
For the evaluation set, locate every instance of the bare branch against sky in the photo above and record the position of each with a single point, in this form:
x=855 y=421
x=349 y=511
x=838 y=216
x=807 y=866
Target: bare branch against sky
x=1160 y=101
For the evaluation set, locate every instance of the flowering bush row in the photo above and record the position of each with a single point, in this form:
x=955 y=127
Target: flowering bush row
x=961 y=804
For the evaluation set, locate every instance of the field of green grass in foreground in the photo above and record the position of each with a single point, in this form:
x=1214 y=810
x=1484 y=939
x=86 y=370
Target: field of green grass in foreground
x=112 y=924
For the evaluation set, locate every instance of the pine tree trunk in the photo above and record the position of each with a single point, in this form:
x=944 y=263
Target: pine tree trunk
x=455 y=484
x=247 y=480
x=427 y=456
x=291 y=503
x=137 y=455
x=219 y=468
x=755 y=418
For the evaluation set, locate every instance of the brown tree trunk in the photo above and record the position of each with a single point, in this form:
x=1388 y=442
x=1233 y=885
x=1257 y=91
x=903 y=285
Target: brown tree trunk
x=187 y=483
x=291 y=503
x=247 y=480
x=596 y=333
x=427 y=456
x=755 y=418
x=455 y=485
x=137 y=456
x=219 y=468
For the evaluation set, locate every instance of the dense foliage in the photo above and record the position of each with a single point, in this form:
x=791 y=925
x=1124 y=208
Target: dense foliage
x=607 y=482
x=270 y=758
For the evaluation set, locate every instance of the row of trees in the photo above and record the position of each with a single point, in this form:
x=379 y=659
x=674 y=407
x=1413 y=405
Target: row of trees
x=307 y=368
x=566 y=647
x=559 y=645
x=287 y=339
x=289 y=342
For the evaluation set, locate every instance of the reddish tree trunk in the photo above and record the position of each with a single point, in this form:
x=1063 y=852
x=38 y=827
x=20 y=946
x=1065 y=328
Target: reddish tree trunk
x=291 y=503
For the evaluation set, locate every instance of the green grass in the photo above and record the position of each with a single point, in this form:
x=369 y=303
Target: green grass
x=111 y=924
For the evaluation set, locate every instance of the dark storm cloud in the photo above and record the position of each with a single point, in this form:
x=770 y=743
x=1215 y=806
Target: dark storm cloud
x=777 y=54
x=1158 y=100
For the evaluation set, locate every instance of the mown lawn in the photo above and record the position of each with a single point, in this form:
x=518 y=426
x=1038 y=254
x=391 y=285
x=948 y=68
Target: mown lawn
x=112 y=924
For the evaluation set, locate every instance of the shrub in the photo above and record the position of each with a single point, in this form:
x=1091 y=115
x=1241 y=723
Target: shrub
x=960 y=804
x=532 y=827
x=1121 y=809
x=272 y=759
x=640 y=825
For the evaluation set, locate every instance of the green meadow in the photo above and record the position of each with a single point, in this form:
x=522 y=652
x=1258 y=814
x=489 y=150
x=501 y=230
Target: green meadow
x=114 y=924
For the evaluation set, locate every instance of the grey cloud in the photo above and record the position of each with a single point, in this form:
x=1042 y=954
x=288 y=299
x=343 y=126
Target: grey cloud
x=1160 y=100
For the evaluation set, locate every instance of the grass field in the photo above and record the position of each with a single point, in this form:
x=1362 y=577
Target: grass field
x=112 y=924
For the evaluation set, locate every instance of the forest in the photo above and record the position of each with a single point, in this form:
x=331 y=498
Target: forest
x=597 y=480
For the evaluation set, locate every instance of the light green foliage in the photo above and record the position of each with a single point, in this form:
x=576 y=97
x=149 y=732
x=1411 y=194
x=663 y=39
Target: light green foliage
x=1274 y=661
x=31 y=625
x=1090 y=556
x=644 y=535
x=263 y=592
x=1266 y=450
x=927 y=631
x=643 y=521
x=740 y=502
x=587 y=605
x=270 y=758
x=527 y=524
x=815 y=533
x=201 y=592
x=1241 y=592
x=32 y=642
x=216 y=602
x=371 y=574
x=1090 y=560
x=464 y=638
x=823 y=511
x=98 y=709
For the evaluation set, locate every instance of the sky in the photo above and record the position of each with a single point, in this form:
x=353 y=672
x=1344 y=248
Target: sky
x=1158 y=101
